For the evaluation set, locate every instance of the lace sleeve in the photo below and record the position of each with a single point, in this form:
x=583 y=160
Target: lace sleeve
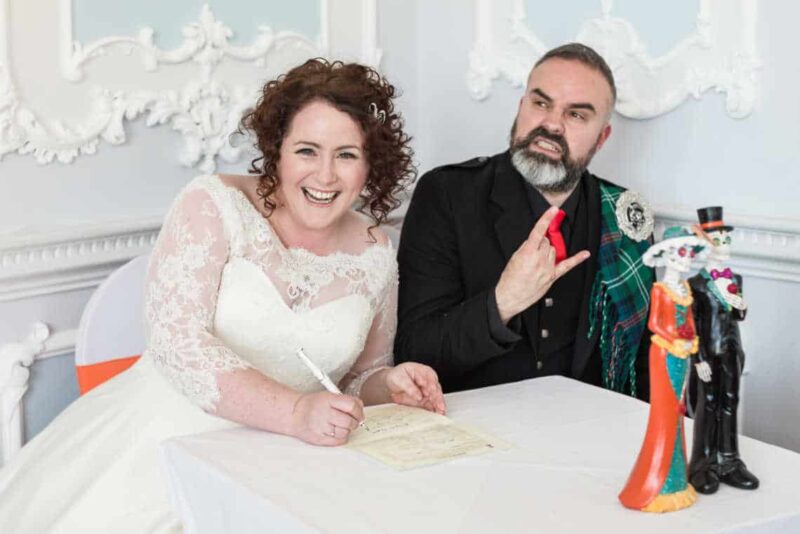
x=181 y=295
x=378 y=348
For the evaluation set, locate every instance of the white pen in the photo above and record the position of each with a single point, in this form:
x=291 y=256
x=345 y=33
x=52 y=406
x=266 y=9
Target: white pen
x=324 y=379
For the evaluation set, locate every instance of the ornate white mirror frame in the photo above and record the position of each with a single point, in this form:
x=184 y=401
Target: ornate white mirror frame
x=720 y=54
x=203 y=106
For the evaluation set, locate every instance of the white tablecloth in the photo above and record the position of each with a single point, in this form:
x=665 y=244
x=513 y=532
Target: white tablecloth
x=574 y=446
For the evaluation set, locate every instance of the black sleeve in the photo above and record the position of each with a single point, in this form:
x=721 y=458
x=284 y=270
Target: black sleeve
x=738 y=314
x=642 y=363
x=502 y=334
x=642 y=367
x=438 y=324
x=702 y=327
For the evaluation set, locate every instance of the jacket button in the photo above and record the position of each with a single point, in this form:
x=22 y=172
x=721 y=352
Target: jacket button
x=539 y=365
x=548 y=302
x=545 y=333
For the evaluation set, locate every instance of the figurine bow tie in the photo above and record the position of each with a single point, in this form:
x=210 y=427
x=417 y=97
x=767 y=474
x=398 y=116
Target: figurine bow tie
x=725 y=273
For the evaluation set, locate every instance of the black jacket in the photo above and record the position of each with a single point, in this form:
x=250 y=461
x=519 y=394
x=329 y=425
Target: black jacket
x=717 y=327
x=463 y=224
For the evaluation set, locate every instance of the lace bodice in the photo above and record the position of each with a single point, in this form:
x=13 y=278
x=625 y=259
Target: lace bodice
x=223 y=293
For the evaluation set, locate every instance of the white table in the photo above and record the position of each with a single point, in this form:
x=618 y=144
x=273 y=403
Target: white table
x=574 y=446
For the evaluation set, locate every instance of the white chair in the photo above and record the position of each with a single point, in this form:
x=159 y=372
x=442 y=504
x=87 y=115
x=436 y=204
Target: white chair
x=110 y=336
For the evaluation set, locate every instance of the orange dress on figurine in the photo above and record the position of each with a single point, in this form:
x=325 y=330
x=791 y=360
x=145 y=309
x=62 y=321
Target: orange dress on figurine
x=658 y=482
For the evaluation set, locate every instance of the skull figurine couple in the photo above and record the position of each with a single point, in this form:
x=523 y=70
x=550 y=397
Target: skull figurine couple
x=696 y=318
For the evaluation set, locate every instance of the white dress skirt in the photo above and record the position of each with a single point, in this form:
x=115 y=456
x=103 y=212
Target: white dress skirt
x=222 y=294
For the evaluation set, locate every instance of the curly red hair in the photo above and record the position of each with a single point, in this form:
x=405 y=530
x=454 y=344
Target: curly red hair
x=352 y=89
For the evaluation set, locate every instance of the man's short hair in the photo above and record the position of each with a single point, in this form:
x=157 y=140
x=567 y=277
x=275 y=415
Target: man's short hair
x=586 y=55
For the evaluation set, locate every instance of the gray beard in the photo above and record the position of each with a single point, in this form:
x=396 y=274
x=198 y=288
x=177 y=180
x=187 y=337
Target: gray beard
x=544 y=174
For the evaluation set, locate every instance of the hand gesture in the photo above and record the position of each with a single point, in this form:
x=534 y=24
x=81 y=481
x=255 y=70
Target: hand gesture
x=326 y=418
x=415 y=384
x=703 y=371
x=532 y=270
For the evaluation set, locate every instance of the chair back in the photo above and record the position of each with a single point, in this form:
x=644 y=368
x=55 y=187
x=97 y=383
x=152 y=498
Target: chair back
x=110 y=336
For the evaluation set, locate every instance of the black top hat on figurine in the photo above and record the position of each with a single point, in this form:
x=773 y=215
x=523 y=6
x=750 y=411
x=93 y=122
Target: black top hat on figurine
x=711 y=219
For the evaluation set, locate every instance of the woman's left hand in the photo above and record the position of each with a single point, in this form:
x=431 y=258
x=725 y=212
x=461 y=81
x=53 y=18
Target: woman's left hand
x=415 y=384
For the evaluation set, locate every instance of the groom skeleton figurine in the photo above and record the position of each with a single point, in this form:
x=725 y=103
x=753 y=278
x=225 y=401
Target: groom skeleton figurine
x=718 y=307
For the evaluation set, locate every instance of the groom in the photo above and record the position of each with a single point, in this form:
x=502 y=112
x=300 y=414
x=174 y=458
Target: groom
x=494 y=282
x=718 y=308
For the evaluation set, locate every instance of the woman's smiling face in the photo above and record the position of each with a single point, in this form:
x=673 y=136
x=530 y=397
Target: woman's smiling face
x=322 y=167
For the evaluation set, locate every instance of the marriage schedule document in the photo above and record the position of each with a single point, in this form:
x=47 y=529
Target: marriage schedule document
x=404 y=437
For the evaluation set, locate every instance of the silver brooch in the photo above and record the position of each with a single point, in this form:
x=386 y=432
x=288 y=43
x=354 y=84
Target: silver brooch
x=634 y=216
x=379 y=114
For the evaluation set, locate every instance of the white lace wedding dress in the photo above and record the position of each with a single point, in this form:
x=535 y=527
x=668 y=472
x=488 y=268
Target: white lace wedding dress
x=223 y=293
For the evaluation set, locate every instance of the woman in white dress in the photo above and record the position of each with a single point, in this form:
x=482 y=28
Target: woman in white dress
x=246 y=270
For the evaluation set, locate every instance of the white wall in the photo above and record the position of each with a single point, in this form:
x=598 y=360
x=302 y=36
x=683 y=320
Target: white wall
x=693 y=156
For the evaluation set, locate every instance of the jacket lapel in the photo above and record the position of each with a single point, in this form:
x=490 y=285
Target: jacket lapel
x=583 y=345
x=509 y=209
x=511 y=215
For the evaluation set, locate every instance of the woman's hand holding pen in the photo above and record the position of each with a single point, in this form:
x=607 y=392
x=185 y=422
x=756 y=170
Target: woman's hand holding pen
x=415 y=384
x=325 y=418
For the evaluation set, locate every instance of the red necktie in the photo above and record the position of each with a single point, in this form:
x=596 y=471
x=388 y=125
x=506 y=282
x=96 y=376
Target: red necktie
x=555 y=237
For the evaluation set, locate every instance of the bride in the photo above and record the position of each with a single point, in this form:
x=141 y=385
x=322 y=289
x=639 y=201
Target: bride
x=245 y=272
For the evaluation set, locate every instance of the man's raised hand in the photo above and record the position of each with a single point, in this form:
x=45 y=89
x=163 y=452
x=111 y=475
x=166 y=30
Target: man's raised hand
x=532 y=270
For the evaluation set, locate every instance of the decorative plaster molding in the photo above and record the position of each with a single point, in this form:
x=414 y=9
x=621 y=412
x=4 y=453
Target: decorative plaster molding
x=59 y=343
x=15 y=359
x=647 y=86
x=15 y=362
x=205 y=43
x=204 y=111
x=764 y=248
x=77 y=258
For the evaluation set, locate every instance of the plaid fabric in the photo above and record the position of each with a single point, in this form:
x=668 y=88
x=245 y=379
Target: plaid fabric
x=620 y=298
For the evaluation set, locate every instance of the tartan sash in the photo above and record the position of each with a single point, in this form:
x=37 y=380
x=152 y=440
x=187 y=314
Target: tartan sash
x=620 y=297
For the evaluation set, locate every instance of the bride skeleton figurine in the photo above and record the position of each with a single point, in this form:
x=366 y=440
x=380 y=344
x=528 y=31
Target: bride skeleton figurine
x=658 y=482
x=718 y=307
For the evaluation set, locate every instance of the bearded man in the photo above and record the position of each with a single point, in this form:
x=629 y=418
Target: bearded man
x=524 y=264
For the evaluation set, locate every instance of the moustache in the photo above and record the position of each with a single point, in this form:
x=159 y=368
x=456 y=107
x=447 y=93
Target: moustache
x=544 y=134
